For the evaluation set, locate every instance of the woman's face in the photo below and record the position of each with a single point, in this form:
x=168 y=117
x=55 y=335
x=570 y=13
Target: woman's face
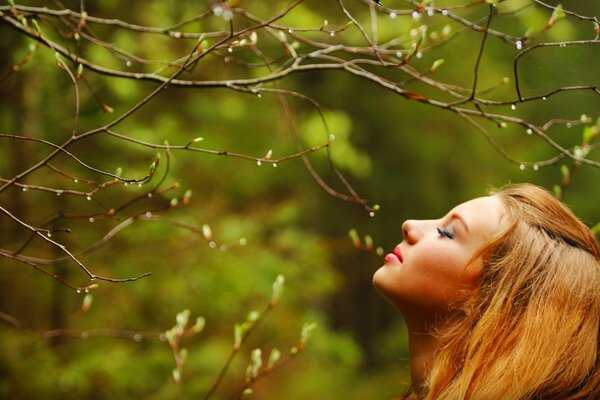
x=428 y=271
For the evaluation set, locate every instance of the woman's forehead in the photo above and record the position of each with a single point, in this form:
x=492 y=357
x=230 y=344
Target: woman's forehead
x=483 y=214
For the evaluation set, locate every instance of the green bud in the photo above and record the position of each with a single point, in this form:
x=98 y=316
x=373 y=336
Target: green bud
x=183 y=318
x=176 y=376
x=252 y=316
x=87 y=302
x=277 y=288
x=238 y=335
x=199 y=325
x=557 y=191
x=307 y=331
x=446 y=31
x=273 y=358
x=355 y=239
x=566 y=174
x=436 y=64
x=369 y=242
x=183 y=354
x=256 y=358
x=206 y=232
x=171 y=336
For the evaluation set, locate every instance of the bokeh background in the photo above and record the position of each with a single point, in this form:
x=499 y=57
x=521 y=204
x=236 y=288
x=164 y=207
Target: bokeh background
x=414 y=160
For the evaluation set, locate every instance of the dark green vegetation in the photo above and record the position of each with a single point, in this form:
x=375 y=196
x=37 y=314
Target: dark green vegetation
x=405 y=151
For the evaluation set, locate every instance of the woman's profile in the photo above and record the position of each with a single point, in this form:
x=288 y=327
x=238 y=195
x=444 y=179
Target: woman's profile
x=501 y=298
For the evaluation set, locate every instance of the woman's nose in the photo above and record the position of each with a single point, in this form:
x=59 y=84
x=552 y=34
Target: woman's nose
x=413 y=230
x=408 y=231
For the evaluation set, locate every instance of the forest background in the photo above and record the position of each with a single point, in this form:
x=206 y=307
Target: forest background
x=216 y=230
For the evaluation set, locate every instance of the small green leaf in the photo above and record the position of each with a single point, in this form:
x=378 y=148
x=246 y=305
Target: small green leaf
x=557 y=14
x=596 y=229
x=589 y=134
x=152 y=168
x=36 y=25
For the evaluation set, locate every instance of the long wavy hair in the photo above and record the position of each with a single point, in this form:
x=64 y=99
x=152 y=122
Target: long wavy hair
x=531 y=330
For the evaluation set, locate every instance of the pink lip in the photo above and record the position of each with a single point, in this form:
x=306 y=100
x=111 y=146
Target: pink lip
x=398 y=254
x=392 y=258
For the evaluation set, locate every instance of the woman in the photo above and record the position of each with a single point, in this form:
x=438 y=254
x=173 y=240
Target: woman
x=501 y=298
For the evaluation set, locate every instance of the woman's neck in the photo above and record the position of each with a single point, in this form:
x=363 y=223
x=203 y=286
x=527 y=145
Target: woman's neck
x=422 y=346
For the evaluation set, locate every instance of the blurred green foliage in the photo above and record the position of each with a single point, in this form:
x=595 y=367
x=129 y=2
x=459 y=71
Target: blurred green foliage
x=414 y=160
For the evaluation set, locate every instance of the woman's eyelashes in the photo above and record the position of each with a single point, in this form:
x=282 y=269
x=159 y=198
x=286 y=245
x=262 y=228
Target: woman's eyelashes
x=446 y=232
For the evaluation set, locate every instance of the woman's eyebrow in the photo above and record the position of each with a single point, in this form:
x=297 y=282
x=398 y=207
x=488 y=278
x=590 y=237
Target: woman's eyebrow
x=460 y=218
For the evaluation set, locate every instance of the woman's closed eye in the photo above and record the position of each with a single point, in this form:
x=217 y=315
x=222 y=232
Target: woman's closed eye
x=447 y=232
